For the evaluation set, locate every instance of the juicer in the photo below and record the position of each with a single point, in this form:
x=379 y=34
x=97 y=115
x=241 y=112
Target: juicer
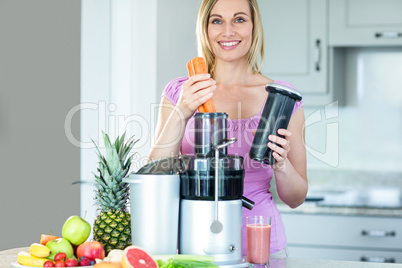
x=211 y=193
x=211 y=187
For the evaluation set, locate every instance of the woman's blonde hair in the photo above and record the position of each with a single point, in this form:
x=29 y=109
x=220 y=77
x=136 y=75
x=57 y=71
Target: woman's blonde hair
x=256 y=52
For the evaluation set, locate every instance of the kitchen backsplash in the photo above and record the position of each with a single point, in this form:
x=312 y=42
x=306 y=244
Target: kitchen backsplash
x=364 y=131
x=353 y=179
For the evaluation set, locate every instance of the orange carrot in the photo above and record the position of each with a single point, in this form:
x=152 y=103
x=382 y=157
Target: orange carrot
x=190 y=69
x=197 y=66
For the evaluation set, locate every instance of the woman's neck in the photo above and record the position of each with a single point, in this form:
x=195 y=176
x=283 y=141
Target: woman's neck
x=232 y=73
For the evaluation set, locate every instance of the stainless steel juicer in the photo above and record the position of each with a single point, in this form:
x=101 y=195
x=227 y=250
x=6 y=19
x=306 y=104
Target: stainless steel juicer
x=211 y=193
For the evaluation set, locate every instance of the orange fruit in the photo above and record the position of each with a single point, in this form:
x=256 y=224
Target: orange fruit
x=106 y=265
x=44 y=238
x=134 y=256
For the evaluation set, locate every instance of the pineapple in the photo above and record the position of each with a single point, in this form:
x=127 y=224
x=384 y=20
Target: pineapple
x=112 y=227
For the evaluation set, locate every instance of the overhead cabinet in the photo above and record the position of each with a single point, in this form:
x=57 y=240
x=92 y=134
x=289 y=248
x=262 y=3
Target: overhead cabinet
x=365 y=22
x=306 y=40
x=296 y=45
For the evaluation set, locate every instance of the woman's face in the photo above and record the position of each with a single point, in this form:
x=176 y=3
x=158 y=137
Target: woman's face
x=230 y=29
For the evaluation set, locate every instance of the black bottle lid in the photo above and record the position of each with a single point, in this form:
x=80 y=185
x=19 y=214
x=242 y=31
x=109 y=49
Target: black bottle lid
x=278 y=88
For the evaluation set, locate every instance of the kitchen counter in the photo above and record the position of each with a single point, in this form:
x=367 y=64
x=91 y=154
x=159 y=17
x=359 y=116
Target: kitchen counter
x=312 y=208
x=306 y=263
x=349 y=193
x=9 y=256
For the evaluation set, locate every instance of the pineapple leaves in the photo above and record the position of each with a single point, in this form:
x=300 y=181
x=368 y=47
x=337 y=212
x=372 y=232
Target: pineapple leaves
x=112 y=155
x=111 y=192
x=126 y=150
x=100 y=184
x=119 y=144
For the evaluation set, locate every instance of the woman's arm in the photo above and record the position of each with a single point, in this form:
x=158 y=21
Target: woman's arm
x=290 y=169
x=169 y=131
x=172 y=118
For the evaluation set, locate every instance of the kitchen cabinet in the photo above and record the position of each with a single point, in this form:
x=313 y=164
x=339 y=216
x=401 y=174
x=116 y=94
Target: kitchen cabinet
x=338 y=237
x=365 y=22
x=346 y=254
x=296 y=46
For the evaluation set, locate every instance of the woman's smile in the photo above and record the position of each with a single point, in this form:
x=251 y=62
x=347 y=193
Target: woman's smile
x=228 y=44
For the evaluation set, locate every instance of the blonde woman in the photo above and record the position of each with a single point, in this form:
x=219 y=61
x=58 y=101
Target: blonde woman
x=230 y=38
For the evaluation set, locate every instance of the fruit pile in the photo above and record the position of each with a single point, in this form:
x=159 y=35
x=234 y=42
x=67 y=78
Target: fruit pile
x=87 y=254
x=70 y=250
x=73 y=249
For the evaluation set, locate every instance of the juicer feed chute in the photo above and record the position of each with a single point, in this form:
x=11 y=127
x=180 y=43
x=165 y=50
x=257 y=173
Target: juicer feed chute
x=166 y=166
x=210 y=130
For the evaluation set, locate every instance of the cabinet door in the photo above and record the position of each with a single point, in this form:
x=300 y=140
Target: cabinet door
x=320 y=253
x=295 y=43
x=365 y=22
x=344 y=231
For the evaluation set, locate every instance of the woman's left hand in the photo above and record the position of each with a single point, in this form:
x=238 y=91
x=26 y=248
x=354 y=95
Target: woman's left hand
x=280 y=153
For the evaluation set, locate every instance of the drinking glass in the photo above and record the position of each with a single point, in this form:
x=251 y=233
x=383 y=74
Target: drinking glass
x=258 y=239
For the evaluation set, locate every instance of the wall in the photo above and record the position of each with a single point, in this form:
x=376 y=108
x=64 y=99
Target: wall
x=128 y=56
x=39 y=85
x=176 y=36
x=95 y=94
x=369 y=118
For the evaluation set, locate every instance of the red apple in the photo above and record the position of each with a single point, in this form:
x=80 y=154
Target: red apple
x=91 y=250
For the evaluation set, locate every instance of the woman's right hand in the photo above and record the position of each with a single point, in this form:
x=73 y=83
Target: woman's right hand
x=194 y=92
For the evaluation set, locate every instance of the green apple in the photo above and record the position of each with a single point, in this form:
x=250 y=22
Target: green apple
x=60 y=245
x=76 y=230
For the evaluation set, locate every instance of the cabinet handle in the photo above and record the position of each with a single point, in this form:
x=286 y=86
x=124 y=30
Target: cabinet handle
x=81 y=182
x=317 y=54
x=377 y=259
x=388 y=35
x=378 y=233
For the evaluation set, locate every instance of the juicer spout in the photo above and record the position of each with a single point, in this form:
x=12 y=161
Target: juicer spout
x=247 y=203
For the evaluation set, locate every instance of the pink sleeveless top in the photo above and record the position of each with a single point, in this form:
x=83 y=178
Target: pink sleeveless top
x=257 y=180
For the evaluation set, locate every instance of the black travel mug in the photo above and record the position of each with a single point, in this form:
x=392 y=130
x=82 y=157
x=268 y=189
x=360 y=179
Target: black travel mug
x=276 y=114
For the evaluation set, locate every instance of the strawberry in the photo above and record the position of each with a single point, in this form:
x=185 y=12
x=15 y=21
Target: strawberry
x=60 y=264
x=71 y=262
x=60 y=256
x=48 y=264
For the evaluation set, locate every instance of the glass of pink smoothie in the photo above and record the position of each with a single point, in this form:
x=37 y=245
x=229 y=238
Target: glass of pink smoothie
x=258 y=239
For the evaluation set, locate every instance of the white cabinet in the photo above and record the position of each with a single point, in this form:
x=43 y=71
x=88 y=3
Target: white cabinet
x=296 y=45
x=365 y=22
x=353 y=238
x=341 y=254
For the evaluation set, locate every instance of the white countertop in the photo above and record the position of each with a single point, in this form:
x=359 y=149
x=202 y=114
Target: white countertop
x=9 y=256
x=311 y=208
x=358 y=193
